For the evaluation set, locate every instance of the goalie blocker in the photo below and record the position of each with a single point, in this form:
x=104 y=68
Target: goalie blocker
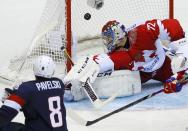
x=102 y=81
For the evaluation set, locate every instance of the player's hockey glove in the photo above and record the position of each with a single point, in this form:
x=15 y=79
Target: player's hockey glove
x=172 y=85
x=7 y=92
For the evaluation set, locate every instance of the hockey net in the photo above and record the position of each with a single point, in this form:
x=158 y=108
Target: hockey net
x=59 y=16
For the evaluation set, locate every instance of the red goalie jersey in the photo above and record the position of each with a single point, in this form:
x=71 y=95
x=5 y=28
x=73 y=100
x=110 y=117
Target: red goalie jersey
x=145 y=51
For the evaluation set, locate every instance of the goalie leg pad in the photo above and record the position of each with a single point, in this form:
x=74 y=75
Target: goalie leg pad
x=125 y=81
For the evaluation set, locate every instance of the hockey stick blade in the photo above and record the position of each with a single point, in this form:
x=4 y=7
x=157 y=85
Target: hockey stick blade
x=88 y=123
x=99 y=103
x=74 y=116
x=96 y=101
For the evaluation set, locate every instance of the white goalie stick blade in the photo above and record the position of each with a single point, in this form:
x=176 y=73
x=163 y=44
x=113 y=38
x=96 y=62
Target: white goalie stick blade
x=7 y=79
x=77 y=118
x=97 y=103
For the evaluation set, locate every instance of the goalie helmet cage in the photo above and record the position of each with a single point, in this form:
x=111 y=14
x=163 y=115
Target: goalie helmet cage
x=61 y=18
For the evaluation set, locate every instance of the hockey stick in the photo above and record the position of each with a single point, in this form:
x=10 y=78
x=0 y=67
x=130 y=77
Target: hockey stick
x=95 y=99
x=67 y=55
x=89 y=90
x=84 y=122
x=7 y=79
x=88 y=123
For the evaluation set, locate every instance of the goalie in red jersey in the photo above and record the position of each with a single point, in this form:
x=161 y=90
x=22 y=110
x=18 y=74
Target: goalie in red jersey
x=143 y=47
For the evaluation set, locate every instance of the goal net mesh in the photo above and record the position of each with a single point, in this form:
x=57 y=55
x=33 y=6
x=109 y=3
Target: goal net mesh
x=50 y=34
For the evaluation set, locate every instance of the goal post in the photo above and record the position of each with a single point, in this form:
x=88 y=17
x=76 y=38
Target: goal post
x=68 y=31
x=62 y=20
x=171 y=9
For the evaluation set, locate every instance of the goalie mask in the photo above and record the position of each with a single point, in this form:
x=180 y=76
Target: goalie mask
x=44 y=66
x=113 y=34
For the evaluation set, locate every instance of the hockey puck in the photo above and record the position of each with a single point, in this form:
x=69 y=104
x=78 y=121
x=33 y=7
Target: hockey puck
x=62 y=47
x=87 y=16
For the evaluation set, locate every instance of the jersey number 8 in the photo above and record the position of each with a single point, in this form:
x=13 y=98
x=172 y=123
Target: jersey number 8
x=55 y=111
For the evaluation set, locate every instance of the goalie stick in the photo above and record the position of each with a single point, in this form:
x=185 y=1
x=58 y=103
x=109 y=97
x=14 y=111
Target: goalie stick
x=89 y=90
x=84 y=122
x=94 y=98
x=7 y=79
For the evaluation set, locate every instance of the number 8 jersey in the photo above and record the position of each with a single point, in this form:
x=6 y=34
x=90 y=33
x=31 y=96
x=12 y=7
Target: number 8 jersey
x=42 y=104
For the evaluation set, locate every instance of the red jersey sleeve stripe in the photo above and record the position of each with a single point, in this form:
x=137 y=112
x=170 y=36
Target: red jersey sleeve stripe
x=17 y=99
